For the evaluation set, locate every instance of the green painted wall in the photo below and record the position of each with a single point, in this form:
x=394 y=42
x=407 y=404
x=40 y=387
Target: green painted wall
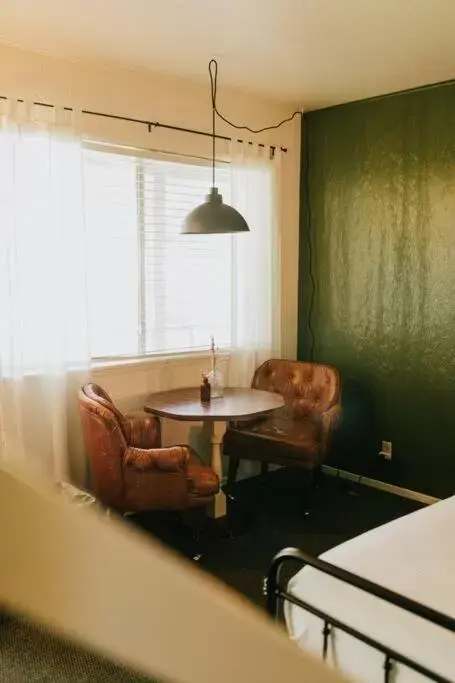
x=381 y=197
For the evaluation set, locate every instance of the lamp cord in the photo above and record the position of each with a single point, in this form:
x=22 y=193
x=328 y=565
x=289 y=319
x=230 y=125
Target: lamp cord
x=213 y=85
x=308 y=226
x=213 y=72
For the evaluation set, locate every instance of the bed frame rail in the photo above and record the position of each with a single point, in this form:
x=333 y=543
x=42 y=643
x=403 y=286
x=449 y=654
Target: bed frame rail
x=276 y=594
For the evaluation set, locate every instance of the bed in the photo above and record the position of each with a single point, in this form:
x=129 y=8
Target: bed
x=380 y=607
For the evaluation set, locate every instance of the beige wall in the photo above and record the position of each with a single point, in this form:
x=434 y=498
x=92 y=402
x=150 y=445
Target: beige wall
x=170 y=100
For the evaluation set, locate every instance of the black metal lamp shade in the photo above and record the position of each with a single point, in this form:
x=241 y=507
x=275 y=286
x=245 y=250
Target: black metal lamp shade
x=214 y=217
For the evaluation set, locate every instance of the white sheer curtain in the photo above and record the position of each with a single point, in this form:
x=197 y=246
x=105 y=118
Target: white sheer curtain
x=256 y=193
x=43 y=309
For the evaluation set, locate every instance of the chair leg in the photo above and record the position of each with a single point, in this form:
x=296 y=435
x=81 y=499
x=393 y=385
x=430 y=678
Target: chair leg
x=232 y=473
x=264 y=471
x=196 y=518
x=318 y=476
x=311 y=479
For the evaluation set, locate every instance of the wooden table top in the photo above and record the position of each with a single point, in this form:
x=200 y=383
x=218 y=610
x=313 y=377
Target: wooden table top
x=185 y=404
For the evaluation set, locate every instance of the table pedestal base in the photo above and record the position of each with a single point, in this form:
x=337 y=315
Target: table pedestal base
x=219 y=507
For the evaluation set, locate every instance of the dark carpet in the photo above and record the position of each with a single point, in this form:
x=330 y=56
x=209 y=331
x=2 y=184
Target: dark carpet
x=30 y=654
x=267 y=516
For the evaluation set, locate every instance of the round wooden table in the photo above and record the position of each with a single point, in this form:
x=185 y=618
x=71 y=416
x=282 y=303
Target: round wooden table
x=236 y=404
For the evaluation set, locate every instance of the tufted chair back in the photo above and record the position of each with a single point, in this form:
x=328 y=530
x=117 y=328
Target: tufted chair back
x=105 y=436
x=306 y=387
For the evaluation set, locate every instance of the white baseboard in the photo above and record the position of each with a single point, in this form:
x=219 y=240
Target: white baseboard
x=381 y=485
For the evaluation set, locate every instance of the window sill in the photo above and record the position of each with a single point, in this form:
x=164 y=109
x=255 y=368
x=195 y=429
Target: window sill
x=131 y=364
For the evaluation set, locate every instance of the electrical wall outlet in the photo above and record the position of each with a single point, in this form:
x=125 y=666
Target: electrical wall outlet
x=386 y=450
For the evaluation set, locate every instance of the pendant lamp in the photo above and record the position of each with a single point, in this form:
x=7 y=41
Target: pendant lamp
x=213 y=216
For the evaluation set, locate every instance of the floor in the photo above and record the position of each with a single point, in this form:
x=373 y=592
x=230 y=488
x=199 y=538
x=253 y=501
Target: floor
x=267 y=517
x=30 y=654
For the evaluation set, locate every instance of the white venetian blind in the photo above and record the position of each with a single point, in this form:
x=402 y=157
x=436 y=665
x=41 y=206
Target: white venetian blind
x=152 y=289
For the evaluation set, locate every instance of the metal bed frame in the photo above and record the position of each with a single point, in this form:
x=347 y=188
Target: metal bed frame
x=277 y=593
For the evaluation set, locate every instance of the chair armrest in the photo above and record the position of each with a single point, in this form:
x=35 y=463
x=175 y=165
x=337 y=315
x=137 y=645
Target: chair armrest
x=330 y=419
x=172 y=459
x=143 y=430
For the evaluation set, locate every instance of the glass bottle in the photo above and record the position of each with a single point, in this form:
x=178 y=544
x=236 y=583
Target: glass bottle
x=206 y=390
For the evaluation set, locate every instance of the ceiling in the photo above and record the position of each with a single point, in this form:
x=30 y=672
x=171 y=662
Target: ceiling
x=311 y=53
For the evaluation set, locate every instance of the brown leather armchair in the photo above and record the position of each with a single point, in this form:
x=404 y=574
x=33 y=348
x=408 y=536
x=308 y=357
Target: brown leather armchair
x=130 y=471
x=297 y=435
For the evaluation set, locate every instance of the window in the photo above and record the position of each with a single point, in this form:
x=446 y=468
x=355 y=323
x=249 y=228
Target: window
x=150 y=288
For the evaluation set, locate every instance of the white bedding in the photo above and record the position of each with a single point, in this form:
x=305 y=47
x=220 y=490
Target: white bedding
x=414 y=556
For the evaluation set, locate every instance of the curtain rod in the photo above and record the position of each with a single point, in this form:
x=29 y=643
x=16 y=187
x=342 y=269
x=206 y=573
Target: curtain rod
x=151 y=124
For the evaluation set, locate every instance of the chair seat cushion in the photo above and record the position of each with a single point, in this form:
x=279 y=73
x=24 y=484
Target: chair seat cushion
x=203 y=481
x=277 y=437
